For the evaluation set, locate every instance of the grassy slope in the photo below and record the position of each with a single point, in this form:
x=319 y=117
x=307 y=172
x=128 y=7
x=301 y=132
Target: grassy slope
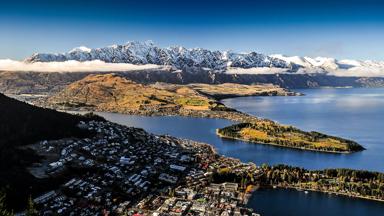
x=113 y=93
x=109 y=92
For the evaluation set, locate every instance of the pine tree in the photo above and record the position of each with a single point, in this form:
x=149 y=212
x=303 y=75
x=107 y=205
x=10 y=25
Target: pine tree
x=31 y=210
x=3 y=209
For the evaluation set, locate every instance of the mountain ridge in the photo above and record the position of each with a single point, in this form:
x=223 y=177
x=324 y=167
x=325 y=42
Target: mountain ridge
x=178 y=57
x=116 y=93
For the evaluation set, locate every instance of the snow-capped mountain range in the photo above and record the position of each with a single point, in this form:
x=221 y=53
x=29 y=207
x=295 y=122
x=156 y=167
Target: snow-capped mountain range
x=142 y=53
x=333 y=65
x=178 y=57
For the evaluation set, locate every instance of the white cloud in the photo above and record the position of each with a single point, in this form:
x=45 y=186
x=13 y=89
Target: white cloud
x=258 y=70
x=72 y=66
x=359 y=72
x=365 y=69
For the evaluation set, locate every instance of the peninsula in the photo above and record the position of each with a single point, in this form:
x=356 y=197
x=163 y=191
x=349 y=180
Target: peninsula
x=269 y=132
x=114 y=93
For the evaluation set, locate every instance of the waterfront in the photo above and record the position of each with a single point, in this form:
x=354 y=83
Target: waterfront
x=334 y=111
x=203 y=130
x=289 y=202
x=353 y=113
x=267 y=202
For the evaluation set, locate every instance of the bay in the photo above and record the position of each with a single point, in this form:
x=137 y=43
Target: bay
x=356 y=114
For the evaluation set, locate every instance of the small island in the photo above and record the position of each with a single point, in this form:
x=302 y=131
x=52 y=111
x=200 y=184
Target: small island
x=272 y=133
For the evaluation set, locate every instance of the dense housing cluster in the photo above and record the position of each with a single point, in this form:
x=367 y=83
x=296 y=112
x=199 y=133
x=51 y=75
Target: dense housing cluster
x=126 y=171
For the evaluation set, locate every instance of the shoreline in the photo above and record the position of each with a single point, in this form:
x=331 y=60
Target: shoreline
x=283 y=146
x=285 y=93
x=299 y=189
x=235 y=116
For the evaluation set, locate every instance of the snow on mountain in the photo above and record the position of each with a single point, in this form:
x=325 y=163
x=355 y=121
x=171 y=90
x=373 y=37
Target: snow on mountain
x=308 y=62
x=331 y=66
x=178 y=57
x=302 y=61
x=81 y=49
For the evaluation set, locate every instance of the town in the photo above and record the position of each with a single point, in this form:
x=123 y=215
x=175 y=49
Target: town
x=127 y=171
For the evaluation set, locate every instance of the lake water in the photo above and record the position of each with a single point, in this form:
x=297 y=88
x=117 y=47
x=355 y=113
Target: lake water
x=357 y=114
x=288 y=202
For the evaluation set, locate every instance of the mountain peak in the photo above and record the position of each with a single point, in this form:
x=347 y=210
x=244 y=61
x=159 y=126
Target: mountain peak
x=179 y=57
x=81 y=49
x=136 y=52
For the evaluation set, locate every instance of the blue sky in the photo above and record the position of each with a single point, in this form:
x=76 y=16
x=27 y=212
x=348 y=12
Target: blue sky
x=341 y=29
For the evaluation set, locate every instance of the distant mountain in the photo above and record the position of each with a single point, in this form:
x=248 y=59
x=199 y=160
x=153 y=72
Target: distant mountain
x=178 y=57
x=144 y=62
x=34 y=82
x=115 y=93
x=48 y=83
x=141 y=53
x=333 y=66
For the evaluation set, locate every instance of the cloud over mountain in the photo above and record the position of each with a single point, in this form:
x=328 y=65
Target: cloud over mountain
x=72 y=66
x=146 y=55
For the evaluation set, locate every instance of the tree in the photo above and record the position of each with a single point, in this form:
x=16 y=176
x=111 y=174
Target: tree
x=3 y=208
x=31 y=210
x=264 y=166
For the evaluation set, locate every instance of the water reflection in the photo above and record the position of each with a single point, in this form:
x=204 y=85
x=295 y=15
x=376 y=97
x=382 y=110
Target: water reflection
x=351 y=113
x=332 y=115
x=271 y=202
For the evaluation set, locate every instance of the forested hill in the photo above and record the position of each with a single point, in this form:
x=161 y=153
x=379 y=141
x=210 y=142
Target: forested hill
x=22 y=124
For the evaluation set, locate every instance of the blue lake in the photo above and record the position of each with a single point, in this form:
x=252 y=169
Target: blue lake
x=352 y=113
x=356 y=114
x=288 y=202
